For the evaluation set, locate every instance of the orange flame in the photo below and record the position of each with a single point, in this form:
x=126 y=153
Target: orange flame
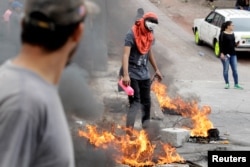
x=199 y=116
x=134 y=151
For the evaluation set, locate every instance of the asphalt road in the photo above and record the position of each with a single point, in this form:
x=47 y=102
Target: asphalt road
x=189 y=71
x=193 y=71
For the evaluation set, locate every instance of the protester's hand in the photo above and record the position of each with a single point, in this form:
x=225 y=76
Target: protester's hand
x=158 y=75
x=126 y=80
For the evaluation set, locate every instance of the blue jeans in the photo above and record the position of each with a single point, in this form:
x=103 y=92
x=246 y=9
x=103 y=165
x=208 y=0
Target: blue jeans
x=140 y=100
x=232 y=61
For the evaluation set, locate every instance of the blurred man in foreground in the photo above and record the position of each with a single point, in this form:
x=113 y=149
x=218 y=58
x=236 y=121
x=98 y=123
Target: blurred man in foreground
x=33 y=128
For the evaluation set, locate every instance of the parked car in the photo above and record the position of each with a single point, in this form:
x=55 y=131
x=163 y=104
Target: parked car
x=207 y=29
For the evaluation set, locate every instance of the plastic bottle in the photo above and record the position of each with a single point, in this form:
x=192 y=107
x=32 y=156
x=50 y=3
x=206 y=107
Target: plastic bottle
x=227 y=56
x=127 y=89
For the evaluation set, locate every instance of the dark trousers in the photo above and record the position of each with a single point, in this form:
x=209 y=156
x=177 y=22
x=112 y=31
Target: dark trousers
x=140 y=100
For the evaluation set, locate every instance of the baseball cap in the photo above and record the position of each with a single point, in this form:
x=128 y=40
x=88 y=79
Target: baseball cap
x=59 y=12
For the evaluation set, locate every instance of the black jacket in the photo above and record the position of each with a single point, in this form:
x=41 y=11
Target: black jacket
x=242 y=3
x=227 y=43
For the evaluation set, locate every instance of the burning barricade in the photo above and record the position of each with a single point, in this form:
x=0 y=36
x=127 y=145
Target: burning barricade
x=136 y=149
x=133 y=150
x=202 y=129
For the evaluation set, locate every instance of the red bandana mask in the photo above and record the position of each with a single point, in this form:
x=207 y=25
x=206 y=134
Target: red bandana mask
x=143 y=36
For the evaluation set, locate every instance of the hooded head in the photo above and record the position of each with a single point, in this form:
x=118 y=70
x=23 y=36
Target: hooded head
x=143 y=31
x=150 y=20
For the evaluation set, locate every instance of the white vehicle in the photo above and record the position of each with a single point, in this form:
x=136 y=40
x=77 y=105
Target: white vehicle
x=207 y=29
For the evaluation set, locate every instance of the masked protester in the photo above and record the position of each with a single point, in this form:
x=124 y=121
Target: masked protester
x=33 y=129
x=135 y=69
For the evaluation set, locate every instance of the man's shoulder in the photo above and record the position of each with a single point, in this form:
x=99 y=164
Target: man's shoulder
x=23 y=86
x=130 y=34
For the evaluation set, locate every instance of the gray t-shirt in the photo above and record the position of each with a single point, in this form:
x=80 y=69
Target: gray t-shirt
x=33 y=127
x=138 y=63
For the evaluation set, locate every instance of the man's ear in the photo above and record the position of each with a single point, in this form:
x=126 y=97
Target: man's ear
x=78 y=33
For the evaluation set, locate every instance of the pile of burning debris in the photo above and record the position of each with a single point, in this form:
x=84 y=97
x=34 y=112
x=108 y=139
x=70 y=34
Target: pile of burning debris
x=136 y=149
x=212 y=138
x=133 y=148
x=202 y=130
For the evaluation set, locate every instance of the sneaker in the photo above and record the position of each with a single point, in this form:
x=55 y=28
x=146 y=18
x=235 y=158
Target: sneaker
x=227 y=86
x=237 y=86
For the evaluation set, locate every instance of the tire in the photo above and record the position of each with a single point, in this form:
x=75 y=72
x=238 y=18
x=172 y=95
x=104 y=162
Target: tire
x=197 y=38
x=216 y=48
